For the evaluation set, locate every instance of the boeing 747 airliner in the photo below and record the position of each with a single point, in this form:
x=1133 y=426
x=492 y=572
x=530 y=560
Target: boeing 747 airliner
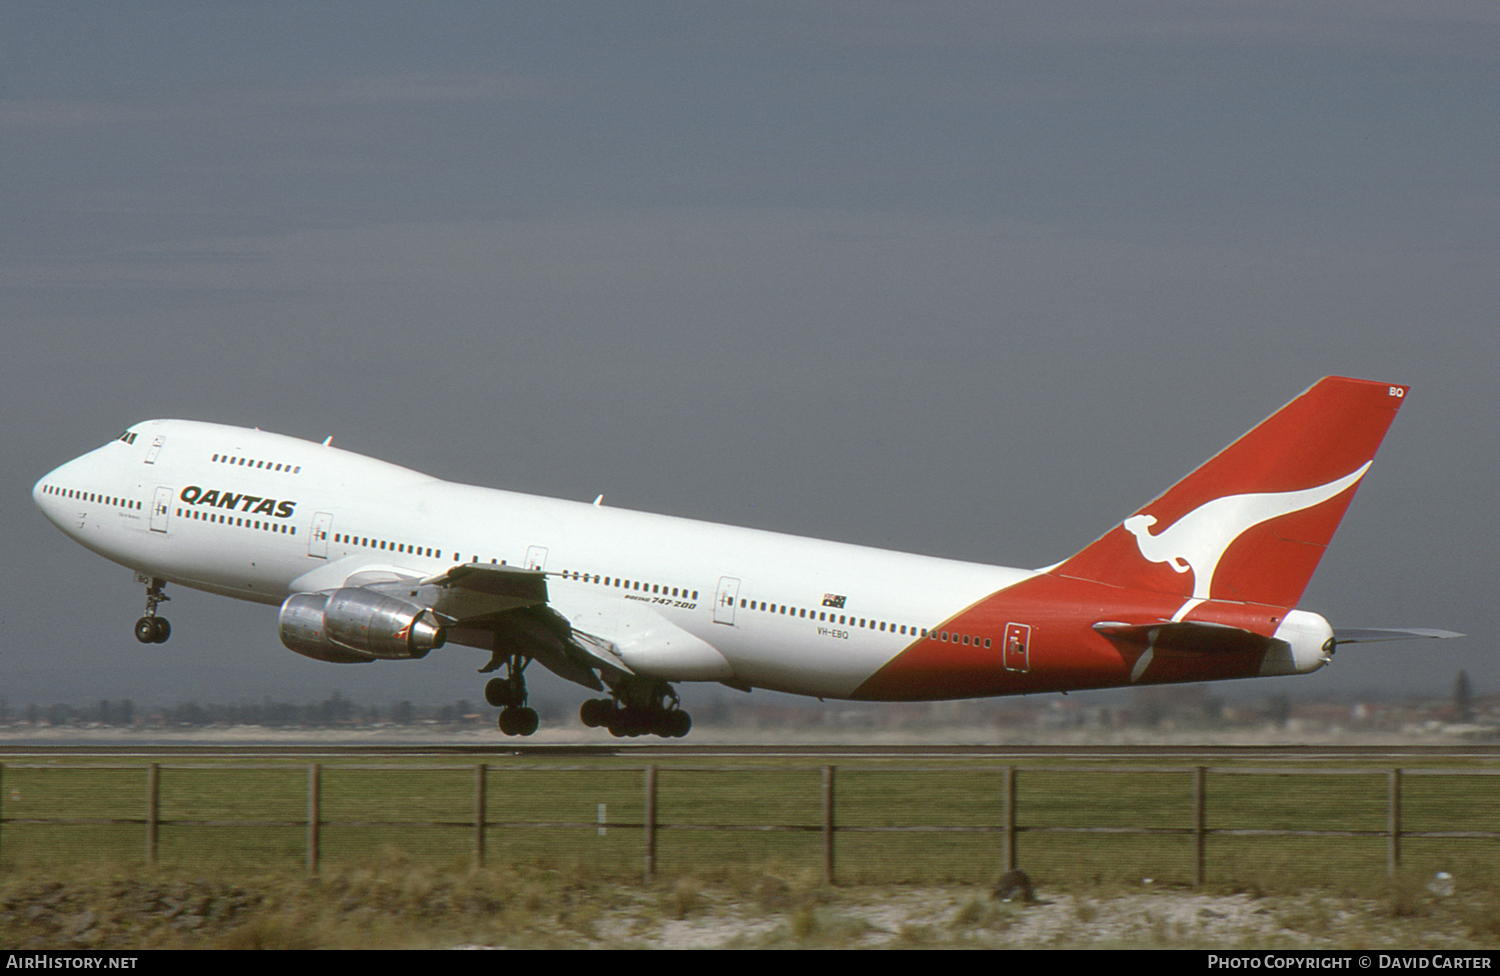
x=369 y=561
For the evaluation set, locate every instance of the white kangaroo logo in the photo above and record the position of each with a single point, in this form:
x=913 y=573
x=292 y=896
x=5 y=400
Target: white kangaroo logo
x=1199 y=539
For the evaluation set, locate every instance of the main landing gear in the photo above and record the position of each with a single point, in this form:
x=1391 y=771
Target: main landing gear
x=638 y=710
x=639 y=707
x=509 y=695
x=152 y=629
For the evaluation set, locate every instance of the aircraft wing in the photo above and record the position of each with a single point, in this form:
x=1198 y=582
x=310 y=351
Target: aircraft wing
x=612 y=636
x=472 y=590
x=501 y=609
x=592 y=640
x=507 y=608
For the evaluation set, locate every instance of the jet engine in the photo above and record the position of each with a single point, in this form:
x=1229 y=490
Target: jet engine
x=353 y=625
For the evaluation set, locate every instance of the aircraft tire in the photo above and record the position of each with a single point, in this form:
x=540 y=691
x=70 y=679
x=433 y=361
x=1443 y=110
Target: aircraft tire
x=595 y=712
x=518 y=721
x=497 y=692
x=161 y=629
x=145 y=630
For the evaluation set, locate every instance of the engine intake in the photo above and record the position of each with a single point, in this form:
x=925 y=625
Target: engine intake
x=353 y=625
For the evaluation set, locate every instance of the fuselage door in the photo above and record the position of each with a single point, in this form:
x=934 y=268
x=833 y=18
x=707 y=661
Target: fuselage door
x=1017 y=647
x=317 y=545
x=155 y=450
x=536 y=557
x=161 y=506
x=729 y=592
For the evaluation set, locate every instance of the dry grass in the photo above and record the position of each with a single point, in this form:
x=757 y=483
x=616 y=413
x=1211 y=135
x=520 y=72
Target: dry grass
x=396 y=902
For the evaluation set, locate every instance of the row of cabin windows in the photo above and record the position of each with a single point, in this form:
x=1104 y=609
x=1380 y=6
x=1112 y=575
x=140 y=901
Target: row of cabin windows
x=409 y=549
x=252 y=463
x=823 y=616
x=636 y=585
x=91 y=496
x=402 y=547
x=658 y=589
x=264 y=525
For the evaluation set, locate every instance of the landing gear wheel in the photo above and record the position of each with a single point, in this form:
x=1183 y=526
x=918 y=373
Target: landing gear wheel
x=518 y=721
x=638 y=708
x=596 y=712
x=152 y=629
x=508 y=693
x=500 y=693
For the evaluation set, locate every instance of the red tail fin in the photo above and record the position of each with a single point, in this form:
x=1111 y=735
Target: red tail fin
x=1251 y=524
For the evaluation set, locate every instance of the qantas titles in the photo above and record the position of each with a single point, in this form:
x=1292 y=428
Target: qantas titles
x=216 y=498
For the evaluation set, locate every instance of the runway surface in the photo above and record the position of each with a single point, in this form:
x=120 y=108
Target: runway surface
x=648 y=751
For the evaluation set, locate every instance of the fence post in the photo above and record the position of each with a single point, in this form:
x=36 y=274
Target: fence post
x=1008 y=818
x=650 y=824
x=314 y=814
x=828 y=825
x=479 y=807
x=1200 y=835
x=2 y=803
x=153 y=810
x=1393 y=824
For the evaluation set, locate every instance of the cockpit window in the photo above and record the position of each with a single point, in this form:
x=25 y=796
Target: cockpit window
x=128 y=437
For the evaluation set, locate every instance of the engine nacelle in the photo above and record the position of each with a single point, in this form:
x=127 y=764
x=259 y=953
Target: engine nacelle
x=354 y=625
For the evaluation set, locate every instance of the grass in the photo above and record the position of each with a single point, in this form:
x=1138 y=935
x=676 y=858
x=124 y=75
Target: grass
x=252 y=814
x=394 y=900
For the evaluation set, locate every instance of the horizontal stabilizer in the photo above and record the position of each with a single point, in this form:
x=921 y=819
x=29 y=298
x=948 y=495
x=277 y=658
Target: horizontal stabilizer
x=1365 y=635
x=1187 y=637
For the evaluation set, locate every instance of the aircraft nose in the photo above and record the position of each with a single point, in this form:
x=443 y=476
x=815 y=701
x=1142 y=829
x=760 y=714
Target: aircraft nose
x=48 y=493
x=40 y=496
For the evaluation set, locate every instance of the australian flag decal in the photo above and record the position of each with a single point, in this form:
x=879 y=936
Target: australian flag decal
x=833 y=600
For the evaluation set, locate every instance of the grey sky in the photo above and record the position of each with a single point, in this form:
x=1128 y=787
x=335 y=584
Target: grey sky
x=966 y=279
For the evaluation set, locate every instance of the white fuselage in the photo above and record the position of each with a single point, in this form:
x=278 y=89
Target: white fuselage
x=260 y=516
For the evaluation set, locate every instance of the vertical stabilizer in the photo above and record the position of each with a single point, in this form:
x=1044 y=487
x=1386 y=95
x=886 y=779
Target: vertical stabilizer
x=1251 y=523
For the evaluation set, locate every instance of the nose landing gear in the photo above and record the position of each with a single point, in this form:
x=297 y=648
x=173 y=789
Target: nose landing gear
x=152 y=629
